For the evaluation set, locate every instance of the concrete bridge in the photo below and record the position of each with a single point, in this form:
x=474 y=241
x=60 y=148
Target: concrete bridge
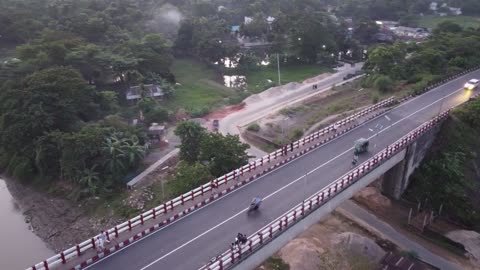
x=299 y=183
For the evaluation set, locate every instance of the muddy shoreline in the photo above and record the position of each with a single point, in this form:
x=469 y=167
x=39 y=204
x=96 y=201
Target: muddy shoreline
x=57 y=221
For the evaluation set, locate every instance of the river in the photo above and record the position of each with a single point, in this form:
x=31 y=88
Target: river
x=20 y=247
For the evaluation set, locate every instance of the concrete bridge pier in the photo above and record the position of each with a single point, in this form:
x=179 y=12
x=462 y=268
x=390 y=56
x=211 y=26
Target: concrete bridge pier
x=396 y=180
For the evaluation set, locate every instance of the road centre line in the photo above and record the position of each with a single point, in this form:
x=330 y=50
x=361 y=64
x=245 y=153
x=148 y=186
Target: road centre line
x=215 y=201
x=289 y=184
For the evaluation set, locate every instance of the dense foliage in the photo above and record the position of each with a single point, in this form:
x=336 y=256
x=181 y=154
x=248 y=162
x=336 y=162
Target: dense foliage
x=448 y=51
x=46 y=130
x=205 y=154
x=450 y=172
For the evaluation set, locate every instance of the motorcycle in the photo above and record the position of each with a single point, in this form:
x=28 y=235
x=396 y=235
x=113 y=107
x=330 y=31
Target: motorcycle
x=255 y=204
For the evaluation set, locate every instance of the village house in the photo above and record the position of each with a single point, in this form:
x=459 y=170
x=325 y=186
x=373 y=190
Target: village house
x=134 y=93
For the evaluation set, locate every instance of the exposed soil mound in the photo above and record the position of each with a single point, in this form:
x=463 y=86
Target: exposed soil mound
x=301 y=254
x=353 y=243
x=469 y=239
x=373 y=199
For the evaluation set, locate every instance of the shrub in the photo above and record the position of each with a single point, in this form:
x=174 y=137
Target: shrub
x=199 y=112
x=411 y=254
x=383 y=83
x=375 y=98
x=237 y=99
x=254 y=127
x=296 y=134
x=156 y=115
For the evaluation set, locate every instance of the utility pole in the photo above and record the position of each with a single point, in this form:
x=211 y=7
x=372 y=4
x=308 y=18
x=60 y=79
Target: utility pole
x=278 y=68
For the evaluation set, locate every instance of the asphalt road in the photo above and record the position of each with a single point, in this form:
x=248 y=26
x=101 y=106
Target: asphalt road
x=257 y=107
x=192 y=241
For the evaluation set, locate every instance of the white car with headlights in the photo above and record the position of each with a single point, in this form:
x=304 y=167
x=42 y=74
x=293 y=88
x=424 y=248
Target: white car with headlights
x=472 y=84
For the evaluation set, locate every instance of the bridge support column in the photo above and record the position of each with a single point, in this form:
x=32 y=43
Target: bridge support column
x=397 y=179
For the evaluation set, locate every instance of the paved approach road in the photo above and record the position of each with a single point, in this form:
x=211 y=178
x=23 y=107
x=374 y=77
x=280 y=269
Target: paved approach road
x=258 y=107
x=192 y=241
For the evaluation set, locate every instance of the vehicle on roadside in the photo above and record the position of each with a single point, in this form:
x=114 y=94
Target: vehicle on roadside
x=472 y=84
x=216 y=124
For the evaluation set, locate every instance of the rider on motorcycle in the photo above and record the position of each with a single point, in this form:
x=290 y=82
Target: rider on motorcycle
x=255 y=204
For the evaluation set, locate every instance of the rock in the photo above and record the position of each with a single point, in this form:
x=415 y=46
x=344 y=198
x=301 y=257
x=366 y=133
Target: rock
x=469 y=239
x=301 y=254
x=356 y=244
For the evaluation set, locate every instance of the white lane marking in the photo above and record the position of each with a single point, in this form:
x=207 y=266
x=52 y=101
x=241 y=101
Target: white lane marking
x=221 y=198
x=284 y=187
x=193 y=239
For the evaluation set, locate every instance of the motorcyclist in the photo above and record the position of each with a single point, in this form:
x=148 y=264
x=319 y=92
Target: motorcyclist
x=355 y=160
x=242 y=238
x=255 y=204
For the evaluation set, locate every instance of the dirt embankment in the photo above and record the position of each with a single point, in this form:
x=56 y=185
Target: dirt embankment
x=59 y=222
x=334 y=243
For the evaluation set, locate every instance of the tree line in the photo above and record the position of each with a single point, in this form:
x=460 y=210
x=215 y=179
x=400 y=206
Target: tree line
x=448 y=51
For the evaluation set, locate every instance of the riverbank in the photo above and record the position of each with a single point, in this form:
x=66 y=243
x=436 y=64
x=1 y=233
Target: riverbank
x=15 y=235
x=59 y=222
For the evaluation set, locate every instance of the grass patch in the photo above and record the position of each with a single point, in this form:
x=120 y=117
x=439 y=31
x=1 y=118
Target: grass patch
x=198 y=90
x=254 y=127
x=464 y=21
x=276 y=264
x=257 y=80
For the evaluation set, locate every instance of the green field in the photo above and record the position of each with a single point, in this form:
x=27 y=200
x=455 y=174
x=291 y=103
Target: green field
x=465 y=21
x=257 y=80
x=198 y=88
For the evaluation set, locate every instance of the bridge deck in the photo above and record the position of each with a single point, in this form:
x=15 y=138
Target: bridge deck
x=192 y=241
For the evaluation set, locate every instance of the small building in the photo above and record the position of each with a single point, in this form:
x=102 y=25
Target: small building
x=270 y=19
x=455 y=11
x=134 y=93
x=247 y=20
x=433 y=6
x=235 y=29
x=156 y=132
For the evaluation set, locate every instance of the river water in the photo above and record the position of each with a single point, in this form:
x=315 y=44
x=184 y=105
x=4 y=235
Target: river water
x=20 y=248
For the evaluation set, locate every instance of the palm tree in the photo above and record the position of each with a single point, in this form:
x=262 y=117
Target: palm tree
x=113 y=147
x=133 y=151
x=123 y=153
x=91 y=178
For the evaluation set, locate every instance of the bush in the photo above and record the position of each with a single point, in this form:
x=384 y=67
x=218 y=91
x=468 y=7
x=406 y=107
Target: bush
x=375 y=98
x=383 y=83
x=188 y=177
x=296 y=134
x=237 y=99
x=277 y=264
x=199 y=112
x=156 y=115
x=254 y=127
x=411 y=254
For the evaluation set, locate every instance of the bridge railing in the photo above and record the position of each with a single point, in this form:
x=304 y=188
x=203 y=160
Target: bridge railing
x=127 y=226
x=269 y=232
x=79 y=249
